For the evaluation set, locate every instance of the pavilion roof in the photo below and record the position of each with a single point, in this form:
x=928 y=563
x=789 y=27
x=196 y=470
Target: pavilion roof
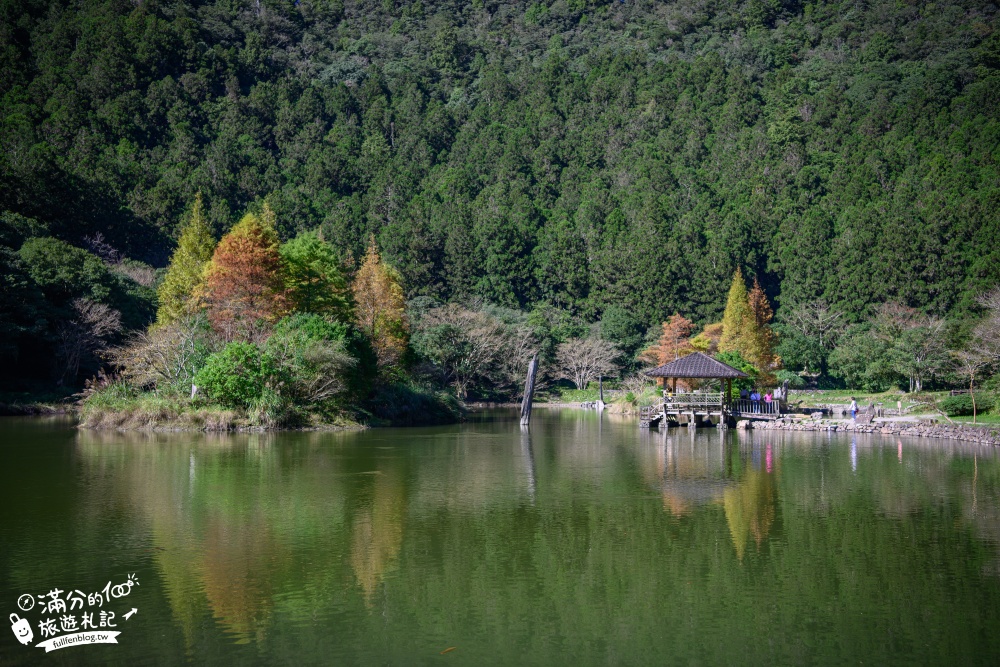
x=695 y=365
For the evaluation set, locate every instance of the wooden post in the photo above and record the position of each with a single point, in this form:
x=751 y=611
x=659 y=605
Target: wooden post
x=529 y=390
x=600 y=388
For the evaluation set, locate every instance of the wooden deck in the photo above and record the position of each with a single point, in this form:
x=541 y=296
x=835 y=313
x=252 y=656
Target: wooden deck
x=694 y=408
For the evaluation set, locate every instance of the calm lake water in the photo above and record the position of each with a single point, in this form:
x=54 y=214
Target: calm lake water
x=582 y=541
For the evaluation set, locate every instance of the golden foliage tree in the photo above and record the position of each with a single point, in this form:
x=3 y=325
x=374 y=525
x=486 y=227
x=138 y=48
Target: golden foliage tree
x=746 y=327
x=187 y=267
x=379 y=308
x=244 y=283
x=737 y=317
x=708 y=340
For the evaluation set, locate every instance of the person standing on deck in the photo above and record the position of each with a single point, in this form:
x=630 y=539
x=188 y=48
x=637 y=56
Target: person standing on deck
x=767 y=402
x=755 y=401
x=854 y=408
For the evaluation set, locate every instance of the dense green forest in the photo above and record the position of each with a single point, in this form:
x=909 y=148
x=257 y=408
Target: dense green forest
x=574 y=155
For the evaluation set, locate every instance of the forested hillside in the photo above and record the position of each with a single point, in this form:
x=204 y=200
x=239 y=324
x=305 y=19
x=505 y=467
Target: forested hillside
x=574 y=152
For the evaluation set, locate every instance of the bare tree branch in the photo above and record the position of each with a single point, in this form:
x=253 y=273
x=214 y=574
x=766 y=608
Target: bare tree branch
x=581 y=360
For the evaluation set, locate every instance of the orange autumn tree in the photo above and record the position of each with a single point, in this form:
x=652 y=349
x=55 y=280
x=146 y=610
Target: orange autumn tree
x=763 y=341
x=244 y=286
x=673 y=342
x=379 y=308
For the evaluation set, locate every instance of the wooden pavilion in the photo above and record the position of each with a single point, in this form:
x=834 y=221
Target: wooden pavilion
x=699 y=406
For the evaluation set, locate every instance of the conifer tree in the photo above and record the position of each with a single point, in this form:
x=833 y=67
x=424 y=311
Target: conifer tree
x=737 y=318
x=761 y=339
x=244 y=282
x=746 y=327
x=708 y=340
x=673 y=342
x=314 y=277
x=379 y=308
x=187 y=267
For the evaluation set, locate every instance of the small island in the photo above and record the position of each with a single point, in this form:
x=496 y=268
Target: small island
x=252 y=333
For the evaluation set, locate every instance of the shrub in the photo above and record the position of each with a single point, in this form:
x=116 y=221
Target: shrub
x=313 y=356
x=358 y=369
x=736 y=360
x=961 y=405
x=237 y=376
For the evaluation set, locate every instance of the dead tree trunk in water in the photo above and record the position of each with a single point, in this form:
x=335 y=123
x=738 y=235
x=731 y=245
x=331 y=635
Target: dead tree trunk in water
x=529 y=390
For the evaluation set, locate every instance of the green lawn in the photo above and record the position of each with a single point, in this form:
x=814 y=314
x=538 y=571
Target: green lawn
x=980 y=419
x=887 y=398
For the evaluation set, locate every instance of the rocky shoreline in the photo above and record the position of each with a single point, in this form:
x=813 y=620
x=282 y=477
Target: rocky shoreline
x=986 y=435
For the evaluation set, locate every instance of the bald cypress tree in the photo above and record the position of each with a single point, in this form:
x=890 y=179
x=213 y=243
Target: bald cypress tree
x=738 y=318
x=315 y=278
x=380 y=306
x=244 y=282
x=746 y=327
x=761 y=339
x=187 y=266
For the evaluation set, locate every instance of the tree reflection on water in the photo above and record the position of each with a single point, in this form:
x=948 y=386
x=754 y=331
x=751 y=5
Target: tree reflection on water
x=577 y=528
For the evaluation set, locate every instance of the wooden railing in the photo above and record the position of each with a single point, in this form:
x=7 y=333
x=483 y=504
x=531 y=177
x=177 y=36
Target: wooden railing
x=745 y=407
x=685 y=402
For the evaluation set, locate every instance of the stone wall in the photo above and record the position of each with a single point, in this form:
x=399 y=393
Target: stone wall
x=987 y=435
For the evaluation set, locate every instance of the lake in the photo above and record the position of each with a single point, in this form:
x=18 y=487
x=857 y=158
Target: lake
x=581 y=541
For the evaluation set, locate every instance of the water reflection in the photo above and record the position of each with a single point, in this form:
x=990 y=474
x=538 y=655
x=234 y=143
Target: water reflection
x=528 y=457
x=377 y=534
x=750 y=509
x=738 y=473
x=566 y=541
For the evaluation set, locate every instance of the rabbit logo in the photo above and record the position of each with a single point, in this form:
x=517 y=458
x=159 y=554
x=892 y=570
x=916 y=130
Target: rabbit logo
x=21 y=628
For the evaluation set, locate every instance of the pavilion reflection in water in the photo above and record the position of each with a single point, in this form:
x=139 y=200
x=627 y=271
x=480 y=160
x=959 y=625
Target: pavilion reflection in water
x=738 y=473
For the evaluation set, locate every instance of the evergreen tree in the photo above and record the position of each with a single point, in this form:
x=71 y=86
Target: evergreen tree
x=314 y=277
x=187 y=267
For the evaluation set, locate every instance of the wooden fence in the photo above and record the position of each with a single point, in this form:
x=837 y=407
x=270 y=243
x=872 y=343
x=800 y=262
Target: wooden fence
x=746 y=407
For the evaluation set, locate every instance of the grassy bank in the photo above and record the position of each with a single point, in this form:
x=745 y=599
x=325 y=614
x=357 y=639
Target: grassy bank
x=927 y=403
x=988 y=419
x=121 y=408
x=916 y=403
